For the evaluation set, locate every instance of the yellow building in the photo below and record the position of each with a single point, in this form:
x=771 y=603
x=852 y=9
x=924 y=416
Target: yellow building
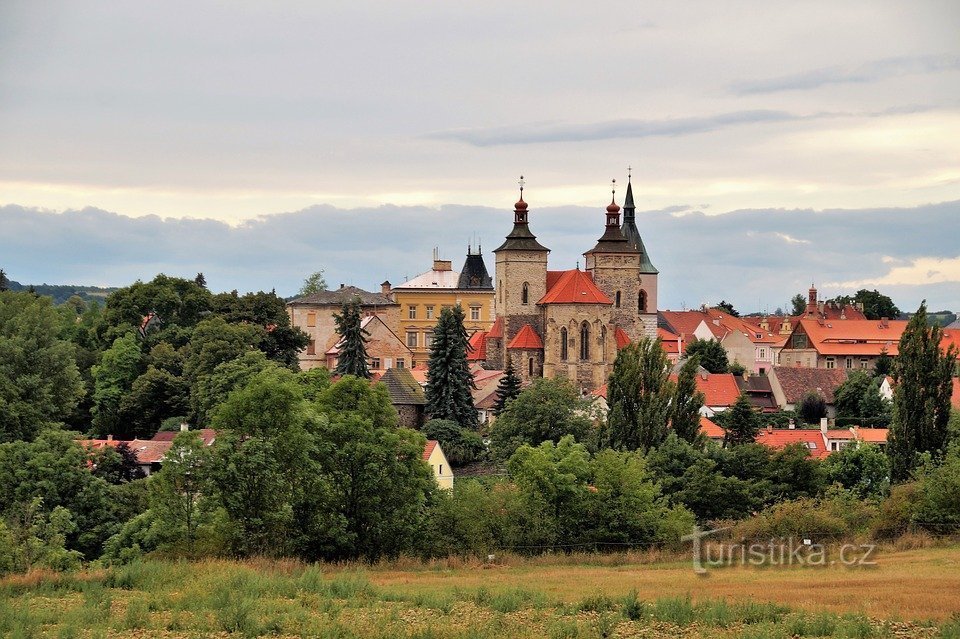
x=422 y=298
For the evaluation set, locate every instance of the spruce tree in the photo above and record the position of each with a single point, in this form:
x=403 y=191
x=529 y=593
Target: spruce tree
x=449 y=380
x=687 y=402
x=507 y=389
x=200 y=280
x=639 y=394
x=921 y=396
x=352 y=359
x=4 y=282
x=741 y=423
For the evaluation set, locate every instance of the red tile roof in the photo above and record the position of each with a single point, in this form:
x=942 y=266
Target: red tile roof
x=428 y=448
x=478 y=347
x=149 y=451
x=207 y=436
x=718 y=389
x=955 y=397
x=711 y=429
x=600 y=392
x=873 y=435
x=622 y=338
x=526 y=339
x=669 y=340
x=951 y=336
x=781 y=437
x=496 y=331
x=854 y=337
x=574 y=287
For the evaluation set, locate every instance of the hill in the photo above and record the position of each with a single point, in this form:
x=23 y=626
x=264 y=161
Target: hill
x=62 y=292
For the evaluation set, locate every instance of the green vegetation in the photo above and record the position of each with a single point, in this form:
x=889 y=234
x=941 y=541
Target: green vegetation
x=639 y=394
x=352 y=356
x=507 y=389
x=449 y=381
x=711 y=354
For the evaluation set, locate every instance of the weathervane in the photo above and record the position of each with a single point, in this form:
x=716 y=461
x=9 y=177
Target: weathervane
x=521 y=183
x=613 y=189
x=629 y=173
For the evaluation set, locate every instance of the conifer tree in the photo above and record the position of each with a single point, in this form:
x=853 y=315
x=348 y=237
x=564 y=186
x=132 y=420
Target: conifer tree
x=741 y=423
x=921 y=396
x=4 y=282
x=507 y=389
x=687 y=402
x=200 y=280
x=449 y=380
x=639 y=394
x=352 y=359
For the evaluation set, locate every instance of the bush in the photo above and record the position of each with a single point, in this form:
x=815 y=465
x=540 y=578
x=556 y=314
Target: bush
x=460 y=445
x=836 y=516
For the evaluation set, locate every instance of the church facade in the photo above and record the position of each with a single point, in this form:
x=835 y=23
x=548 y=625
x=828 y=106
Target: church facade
x=570 y=323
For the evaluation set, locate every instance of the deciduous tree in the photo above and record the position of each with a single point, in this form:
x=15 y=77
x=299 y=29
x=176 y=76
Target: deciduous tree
x=713 y=356
x=687 y=402
x=546 y=410
x=639 y=395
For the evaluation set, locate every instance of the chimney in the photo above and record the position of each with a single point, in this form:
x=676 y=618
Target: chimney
x=442 y=265
x=823 y=425
x=792 y=425
x=385 y=288
x=342 y=285
x=769 y=429
x=109 y=438
x=884 y=322
x=184 y=426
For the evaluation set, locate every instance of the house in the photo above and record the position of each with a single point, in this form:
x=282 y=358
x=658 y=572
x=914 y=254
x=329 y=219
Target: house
x=847 y=344
x=671 y=343
x=485 y=393
x=720 y=392
x=313 y=314
x=758 y=390
x=752 y=346
x=406 y=396
x=790 y=384
x=384 y=349
x=813 y=440
x=713 y=431
x=149 y=452
x=433 y=455
x=422 y=298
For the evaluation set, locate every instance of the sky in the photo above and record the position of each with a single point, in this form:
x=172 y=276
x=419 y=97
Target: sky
x=772 y=144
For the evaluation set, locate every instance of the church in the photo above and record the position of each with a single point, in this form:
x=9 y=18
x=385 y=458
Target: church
x=570 y=323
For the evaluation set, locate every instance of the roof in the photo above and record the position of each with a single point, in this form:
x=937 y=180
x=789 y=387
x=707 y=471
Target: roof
x=853 y=337
x=478 y=347
x=496 y=331
x=623 y=340
x=474 y=274
x=343 y=294
x=669 y=341
x=759 y=392
x=428 y=448
x=873 y=435
x=840 y=433
x=711 y=429
x=632 y=233
x=783 y=437
x=207 y=436
x=574 y=287
x=149 y=451
x=521 y=238
x=526 y=339
x=951 y=337
x=403 y=387
x=686 y=322
x=432 y=279
x=486 y=382
x=797 y=381
x=718 y=389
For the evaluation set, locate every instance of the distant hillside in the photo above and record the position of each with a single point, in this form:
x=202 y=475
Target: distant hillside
x=62 y=292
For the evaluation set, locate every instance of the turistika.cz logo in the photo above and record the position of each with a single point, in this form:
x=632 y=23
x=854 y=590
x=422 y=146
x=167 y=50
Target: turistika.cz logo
x=785 y=551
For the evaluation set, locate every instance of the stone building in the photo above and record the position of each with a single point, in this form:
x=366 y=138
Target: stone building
x=570 y=323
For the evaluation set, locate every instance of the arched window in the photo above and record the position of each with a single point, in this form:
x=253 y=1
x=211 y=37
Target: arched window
x=584 y=341
x=603 y=343
x=530 y=366
x=501 y=291
x=563 y=344
x=642 y=302
x=525 y=294
x=617 y=301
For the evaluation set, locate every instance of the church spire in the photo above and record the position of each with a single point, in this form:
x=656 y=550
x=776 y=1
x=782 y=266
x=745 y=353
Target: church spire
x=520 y=237
x=630 y=230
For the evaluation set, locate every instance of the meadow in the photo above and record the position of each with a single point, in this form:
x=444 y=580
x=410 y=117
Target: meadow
x=909 y=593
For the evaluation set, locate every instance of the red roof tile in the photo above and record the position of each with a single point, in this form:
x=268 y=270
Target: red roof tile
x=526 y=339
x=873 y=435
x=428 y=448
x=669 y=341
x=574 y=287
x=711 y=429
x=622 y=338
x=496 y=331
x=718 y=389
x=854 y=337
x=781 y=438
x=478 y=347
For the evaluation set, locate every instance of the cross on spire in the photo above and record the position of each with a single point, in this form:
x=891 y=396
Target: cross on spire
x=613 y=190
x=521 y=182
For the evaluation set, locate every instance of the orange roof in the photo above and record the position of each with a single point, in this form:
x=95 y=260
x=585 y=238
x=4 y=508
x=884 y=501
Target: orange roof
x=718 y=389
x=669 y=340
x=710 y=428
x=574 y=287
x=951 y=336
x=497 y=329
x=552 y=277
x=781 y=437
x=854 y=337
x=686 y=322
x=478 y=346
x=622 y=338
x=955 y=397
x=428 y=448
x=600 y=392
x=840 y=433
x=873 y=435
x=526 y=339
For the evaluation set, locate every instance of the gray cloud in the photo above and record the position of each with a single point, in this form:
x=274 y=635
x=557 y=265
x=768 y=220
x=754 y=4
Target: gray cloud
x=869 y=72
x=740 y=256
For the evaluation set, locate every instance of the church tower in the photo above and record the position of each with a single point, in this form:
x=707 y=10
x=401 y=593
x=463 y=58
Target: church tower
x=645 y=301
x=521 y=280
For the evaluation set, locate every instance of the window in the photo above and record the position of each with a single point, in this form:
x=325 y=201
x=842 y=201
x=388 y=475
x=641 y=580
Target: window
x=441 y=469
x=617 y=299
x=530 y=367
x=642 y=302
x=763 y=353
x=411 y=339
x=429 y=312
x=475 y=313
x=863 y=362
x=525 y=294
x=584 y=341
x=603 y=343
x=849 y=362
x=311 y=348
x=500 y=288
x=401 y=363
x=375 y=363
x=428 y=339
x=311 y=319
x=831 y=362
x=563 y=344
x=412 y=312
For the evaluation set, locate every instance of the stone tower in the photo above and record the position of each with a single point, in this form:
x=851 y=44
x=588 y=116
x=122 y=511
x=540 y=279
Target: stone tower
x=521 y=280
x=645 y=300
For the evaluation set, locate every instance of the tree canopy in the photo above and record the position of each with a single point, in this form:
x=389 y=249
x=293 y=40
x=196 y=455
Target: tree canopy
x=639 y=395
x=712 y=354
x=352 y=354
x=449 y=380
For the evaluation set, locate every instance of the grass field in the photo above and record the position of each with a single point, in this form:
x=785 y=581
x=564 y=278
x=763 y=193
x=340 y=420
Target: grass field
x=914 y=593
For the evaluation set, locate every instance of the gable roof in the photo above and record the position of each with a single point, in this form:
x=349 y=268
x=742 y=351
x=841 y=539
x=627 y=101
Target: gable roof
x=797 y=381
x=574 y=287
x=478 y=347
x=669 y=341
x=711 y=429
x=496 y=331
x=207 y=436
x=623 y=340
x=343 y=294
x=759 y=392
x=428 y=448
x=853 y=337
x=403 y=387
x=526 y=339
x=783 y=437
x=719 y=389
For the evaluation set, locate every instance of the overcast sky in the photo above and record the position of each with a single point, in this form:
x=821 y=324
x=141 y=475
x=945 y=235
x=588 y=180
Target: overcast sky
x=833 y=124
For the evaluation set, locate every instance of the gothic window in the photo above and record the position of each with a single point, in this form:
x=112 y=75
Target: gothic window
x=603 y=343
x=642 y=302
x=584 y=341
x=525 y=294
x=617 y=302
x=563 y=344
x=530 y=366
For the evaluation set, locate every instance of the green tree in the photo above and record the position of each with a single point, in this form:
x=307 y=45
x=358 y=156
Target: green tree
x=211 y=390
x=279 y=340
x=215 y=341
x=113 y=377
x=352 y=395
x=507 y=389
x=876 y=305
x=798 y=304
x=921 y=396
x=449 y=380
x=4 y=282
x=200 y=280
x=116 y=465
x=39 y=380
x=862 y=469
x=313 y=283
x=153 y=397
x=460 y=445
x=812 y=407
x=352 y=358
x=639 y=395
x=687 y=402
x=171 y=304
x=848 y=398
x=177 y=490
x=713 y=356
x=741 y=423
x=726 y=306
x=546 y=410
x=884 y=364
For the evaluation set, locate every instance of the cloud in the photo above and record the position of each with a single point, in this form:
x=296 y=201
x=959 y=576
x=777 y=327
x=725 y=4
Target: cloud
x=755 y=258
x=872 y=71
x=918 y=272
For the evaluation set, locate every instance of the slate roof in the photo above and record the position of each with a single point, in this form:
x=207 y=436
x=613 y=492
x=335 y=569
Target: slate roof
x=630 y=231
x=338 y=296
x=797 y=381
x=403 y=387
x=526 y=339
x=574 y=287
x=474 y=274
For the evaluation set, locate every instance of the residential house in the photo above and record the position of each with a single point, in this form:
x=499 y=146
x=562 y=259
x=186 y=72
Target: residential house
x=406 y=396
x=712 y=431
x=313 y=314
x=813 y=440
x=846 y=344
x=485 y=394
x=384 y=349
x=720 y=392
x=433 y=455
x=791 y=384
x=749 y=345
x=149 y=452
x=758 y=390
